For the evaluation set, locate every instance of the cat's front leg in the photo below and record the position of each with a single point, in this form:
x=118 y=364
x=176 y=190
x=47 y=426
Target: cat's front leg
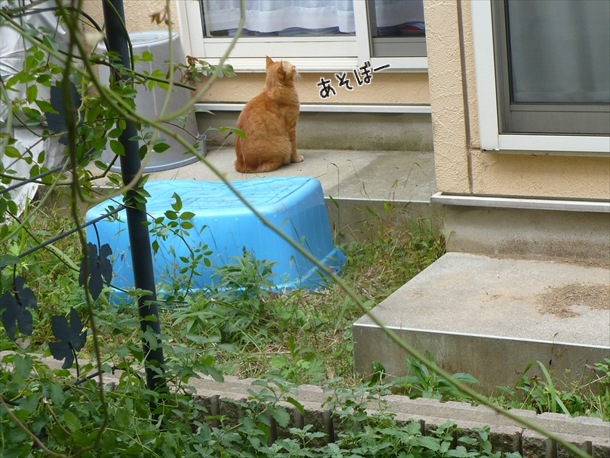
x=295 y=157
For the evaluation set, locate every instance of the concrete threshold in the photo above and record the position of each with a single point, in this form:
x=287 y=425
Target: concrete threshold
x=491 y=316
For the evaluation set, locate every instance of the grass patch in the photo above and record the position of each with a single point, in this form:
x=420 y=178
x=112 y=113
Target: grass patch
x=241 y=328
x=303 y=336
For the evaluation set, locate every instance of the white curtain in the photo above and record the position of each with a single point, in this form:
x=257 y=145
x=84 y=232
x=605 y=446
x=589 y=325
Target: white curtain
x=391 y=13
x=269 y=16
x=560 y=51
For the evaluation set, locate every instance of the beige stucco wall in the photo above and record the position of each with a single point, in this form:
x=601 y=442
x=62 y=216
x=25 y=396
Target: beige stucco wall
x=137 y=13
x=462 y=168
x=388 y=88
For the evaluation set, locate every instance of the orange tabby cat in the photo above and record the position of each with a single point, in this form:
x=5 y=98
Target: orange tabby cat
x=269 y=121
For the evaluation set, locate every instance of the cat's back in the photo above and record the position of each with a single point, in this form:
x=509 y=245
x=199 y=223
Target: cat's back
x=257 y=106
x=270 y=106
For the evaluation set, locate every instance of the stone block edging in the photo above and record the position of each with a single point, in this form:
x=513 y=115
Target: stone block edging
x=589 y=434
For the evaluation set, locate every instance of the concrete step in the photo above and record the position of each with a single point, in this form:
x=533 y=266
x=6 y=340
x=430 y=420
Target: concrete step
x=491 y=316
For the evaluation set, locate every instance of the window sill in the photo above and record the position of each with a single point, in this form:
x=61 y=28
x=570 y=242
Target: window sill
x=328 y=64
x=325 y=108
x=560 y=145
x=590 y=206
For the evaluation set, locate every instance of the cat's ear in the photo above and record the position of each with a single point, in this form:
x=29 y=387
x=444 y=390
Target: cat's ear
x=269 y=61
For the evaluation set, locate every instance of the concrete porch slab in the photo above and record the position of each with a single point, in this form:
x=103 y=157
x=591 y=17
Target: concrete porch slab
x=356 y=184
x=406 y=176
x=491 y=316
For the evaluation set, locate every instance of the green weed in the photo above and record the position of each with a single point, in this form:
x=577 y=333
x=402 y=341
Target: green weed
x=588 y=396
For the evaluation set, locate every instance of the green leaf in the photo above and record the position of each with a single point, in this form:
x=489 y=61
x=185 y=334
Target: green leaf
x=554 y=398
x=8 y=260
x=296 y=403
x=465 y=378
x=171 y=215
x=160 y=147
x=228 y=71
x=12 y=207
x=121 y=418
x=115 y=133
x=117 y=147
x=134 y=450
x=177 y=206
x=65 y=258
x=469 y=440
x=44 y=80
x=200 y=340
x=23 y=366
x=32 y=93
x=31 y=113
x=100 y=165
x=238 y=132
x=12 y=152
x=72 y=422
x=431 y=443
x=280 y=415
x=187 y=215
x=47 y=40
x=142 y=151
x=57 y=394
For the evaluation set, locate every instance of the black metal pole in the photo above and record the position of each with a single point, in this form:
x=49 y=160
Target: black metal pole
x=139 y=238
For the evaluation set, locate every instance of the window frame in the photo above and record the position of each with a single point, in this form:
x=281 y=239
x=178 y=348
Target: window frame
x=365 y=46
x=488 y=102
x=309 y=54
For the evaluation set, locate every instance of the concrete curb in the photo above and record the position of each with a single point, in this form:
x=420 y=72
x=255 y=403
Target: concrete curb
x=591 y=435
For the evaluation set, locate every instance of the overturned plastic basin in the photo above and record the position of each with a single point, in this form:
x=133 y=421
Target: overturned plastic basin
x=224 y=225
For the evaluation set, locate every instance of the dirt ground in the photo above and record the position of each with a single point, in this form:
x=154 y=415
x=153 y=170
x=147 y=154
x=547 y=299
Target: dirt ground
x=560 y=300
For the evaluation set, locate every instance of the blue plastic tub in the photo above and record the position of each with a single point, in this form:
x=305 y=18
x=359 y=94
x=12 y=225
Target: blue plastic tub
x=295 y=205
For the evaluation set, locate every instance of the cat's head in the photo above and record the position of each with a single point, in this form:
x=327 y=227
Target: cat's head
x=280 y=72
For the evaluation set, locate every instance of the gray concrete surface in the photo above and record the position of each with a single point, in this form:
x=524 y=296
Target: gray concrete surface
x=491 y=316
x=366 y=175
x=356 y=184
x=528 y=232
x=343 y=131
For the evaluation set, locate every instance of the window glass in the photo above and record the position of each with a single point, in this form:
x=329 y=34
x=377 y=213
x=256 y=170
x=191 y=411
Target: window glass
x=285 y=18
x=552 y=66
x=559 y=51
x=398 y=18
x=397 y=28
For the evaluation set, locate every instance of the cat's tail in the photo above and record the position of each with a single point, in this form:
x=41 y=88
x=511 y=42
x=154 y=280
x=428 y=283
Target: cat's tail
x=240 y=163
x=240 y=166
